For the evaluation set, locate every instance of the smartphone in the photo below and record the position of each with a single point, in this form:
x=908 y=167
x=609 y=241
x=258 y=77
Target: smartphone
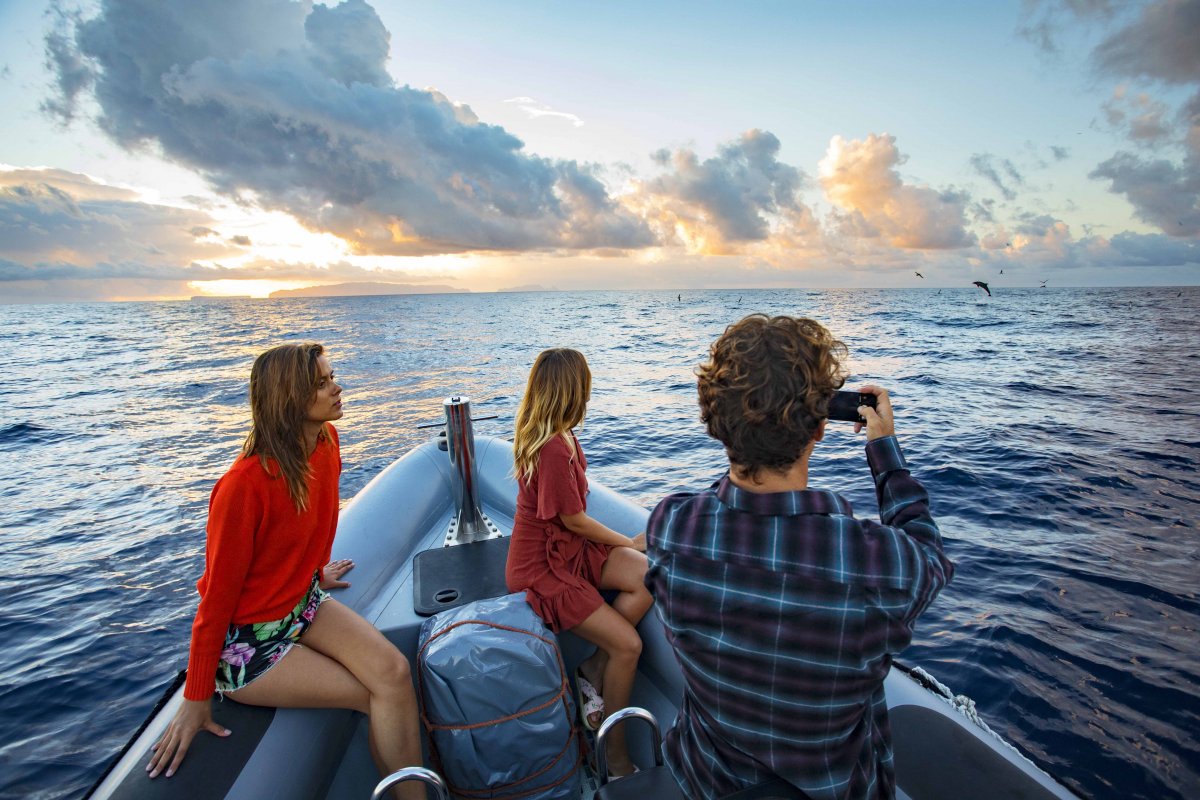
x=843 y=406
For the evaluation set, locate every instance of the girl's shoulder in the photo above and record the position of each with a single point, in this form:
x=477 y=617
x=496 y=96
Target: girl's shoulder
x=557 y=447
x=246 y=477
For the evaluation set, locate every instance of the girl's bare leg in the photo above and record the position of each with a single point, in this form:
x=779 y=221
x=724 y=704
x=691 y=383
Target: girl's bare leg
x=613 y=634
x=625 y=570
x=344 y=662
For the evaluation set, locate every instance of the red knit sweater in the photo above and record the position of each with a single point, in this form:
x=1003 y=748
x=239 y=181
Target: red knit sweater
x=261 y=554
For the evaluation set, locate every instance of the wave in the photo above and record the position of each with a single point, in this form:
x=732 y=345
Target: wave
x=28 y=434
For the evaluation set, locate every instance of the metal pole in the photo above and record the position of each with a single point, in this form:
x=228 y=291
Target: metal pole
x=460 y=444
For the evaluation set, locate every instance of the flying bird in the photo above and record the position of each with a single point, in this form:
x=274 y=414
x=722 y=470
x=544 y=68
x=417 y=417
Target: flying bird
x=919 y=275
x=983 y=286
x=1043 y=286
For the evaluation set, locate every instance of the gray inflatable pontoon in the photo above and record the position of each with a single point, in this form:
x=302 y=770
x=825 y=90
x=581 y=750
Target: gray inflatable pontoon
x=457 y=489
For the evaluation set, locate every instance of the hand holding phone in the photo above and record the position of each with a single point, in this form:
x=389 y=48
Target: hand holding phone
x=843 y=406
x=877 y=416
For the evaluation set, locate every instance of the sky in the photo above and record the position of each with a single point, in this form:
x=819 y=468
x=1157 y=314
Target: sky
x=162 y=149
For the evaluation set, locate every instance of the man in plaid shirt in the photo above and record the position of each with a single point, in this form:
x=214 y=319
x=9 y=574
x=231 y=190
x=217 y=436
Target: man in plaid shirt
x=783 y=609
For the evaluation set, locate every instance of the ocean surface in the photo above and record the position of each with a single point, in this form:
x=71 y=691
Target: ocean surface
x=1057 y=431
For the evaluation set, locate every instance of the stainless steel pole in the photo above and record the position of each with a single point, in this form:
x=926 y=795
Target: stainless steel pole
x=460 y=444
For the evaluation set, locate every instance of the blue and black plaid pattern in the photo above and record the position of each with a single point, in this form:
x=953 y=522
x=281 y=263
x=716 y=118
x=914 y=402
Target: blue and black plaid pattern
x=784 y=612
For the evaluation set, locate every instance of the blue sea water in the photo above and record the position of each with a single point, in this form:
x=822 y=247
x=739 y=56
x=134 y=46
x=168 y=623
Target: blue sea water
x=1057 y=430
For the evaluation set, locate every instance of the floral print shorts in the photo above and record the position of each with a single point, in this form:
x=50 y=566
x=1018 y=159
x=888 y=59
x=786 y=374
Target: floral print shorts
x=252 y=649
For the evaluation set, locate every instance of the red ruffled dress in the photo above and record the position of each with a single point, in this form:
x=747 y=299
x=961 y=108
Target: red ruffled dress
x=558 y=570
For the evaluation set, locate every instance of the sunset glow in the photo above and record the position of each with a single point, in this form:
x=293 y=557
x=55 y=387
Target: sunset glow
x=244 y=288
x=834 y=149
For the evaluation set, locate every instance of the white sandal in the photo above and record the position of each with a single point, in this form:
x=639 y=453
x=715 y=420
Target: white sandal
x=590 y=701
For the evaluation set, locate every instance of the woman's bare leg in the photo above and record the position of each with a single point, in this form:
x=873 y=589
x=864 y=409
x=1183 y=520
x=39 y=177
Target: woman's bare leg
x=625 y=570
x=613 y=634
x=344 y=662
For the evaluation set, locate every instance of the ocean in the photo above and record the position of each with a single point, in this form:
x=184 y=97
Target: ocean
x=1057 y=431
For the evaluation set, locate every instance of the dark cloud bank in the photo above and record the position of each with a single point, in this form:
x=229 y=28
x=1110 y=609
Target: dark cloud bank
x=294 y=108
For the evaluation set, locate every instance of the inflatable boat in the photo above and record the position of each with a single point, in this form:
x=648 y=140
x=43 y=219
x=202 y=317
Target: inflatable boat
x=430 y=533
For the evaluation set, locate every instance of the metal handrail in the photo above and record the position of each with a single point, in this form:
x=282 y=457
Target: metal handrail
x=630 y=712
x=426 y=776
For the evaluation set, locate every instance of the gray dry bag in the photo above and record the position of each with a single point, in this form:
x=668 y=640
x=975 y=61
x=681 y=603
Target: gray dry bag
x=496 y=703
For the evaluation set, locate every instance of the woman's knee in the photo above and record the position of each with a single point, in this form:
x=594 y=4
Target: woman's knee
x=390 y=672
x=629 y=573
x=627 y=646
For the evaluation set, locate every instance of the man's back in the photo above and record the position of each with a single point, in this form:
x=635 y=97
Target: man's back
x=784 y=611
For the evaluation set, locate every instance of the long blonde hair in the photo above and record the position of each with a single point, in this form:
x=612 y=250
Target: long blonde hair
x=555 y=400
x=283 y=383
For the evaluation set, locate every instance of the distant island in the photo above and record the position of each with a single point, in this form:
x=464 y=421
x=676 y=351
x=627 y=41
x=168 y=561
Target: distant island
x=530 y=287
x=364 y=289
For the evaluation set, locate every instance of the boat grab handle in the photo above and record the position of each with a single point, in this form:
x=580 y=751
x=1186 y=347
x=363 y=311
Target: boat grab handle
x=426 y=776
x=629 y=712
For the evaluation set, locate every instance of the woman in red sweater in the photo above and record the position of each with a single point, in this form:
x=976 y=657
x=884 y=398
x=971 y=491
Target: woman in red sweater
x=271 y=523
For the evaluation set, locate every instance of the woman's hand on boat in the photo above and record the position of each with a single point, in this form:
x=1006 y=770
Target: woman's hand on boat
x=638 y=542
x=331 y=574
x=191 y=718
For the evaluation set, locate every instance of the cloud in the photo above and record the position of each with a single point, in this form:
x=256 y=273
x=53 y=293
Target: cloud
x=62 y=217
x=989 y=167
x=1153 y=43
x=1042 y=20
x=256 y=270
x=1143 y=118
x=1161 y=44
x=538 y=110
x=289 y=106
x=1162 y=193
x=72 y=74
x=90 y=290
x=241 y=241
x=744 y=194
x=860 y=178
x=1154 y=250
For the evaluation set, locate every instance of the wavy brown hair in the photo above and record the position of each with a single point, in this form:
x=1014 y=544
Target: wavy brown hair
x=766 y=388
x=555 y=401
x=283 y=383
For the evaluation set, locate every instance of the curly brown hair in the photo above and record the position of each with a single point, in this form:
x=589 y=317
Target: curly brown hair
x=766 y=388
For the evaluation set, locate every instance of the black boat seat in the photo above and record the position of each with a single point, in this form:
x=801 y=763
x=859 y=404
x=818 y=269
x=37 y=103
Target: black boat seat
x=448 y=577
x=657 y=782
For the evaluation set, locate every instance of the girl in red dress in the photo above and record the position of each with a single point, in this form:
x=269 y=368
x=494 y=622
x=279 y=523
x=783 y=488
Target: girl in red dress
x=561 y=557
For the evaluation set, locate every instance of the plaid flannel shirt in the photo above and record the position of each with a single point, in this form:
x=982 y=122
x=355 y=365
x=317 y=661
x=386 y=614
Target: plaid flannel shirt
x=784 y=612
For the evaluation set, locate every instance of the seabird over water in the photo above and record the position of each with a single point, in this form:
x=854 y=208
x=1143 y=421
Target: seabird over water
x=919 y=275
x=983 y=286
